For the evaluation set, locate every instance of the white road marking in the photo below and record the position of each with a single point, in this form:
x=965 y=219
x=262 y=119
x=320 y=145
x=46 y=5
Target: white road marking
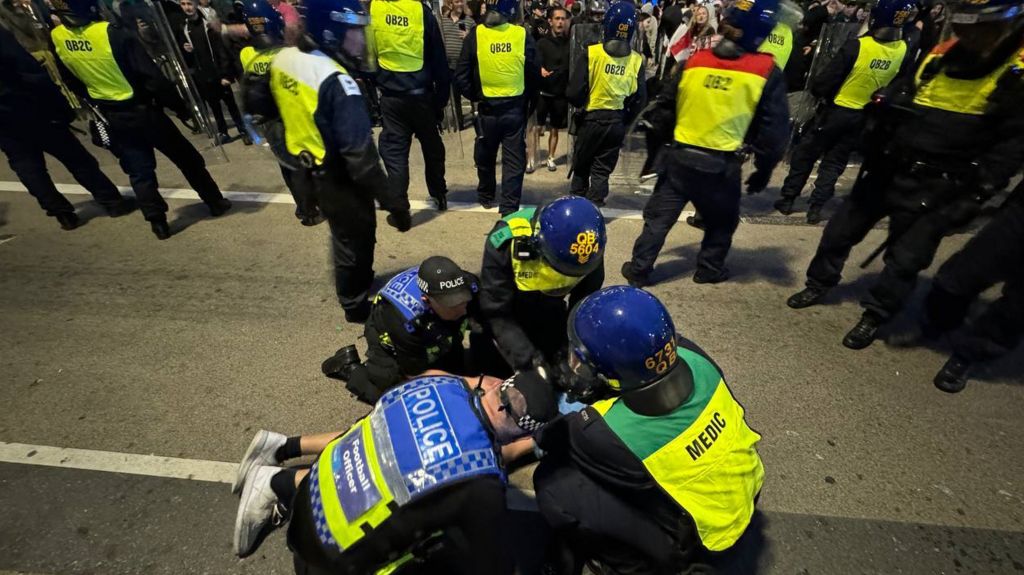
x=270 y=198
x=6 y=238
x=160 y=466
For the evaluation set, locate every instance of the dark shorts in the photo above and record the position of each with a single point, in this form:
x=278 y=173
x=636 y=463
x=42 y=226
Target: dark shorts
x=553 y=112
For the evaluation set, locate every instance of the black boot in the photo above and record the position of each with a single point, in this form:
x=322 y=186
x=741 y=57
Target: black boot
x=219 y=207
x=814 y=214
x=864 y=332
x=441 y=202
x=358 y=314
x=68 y=221
x=696 y=221
x=161 y=230
x=784 y=205
x=952 y=378
x=709 y=276
x=340 y=365
x=806 y=297
x=634 y=279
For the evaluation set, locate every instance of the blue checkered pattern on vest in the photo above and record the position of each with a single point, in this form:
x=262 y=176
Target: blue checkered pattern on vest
x=480 y=462
x=404 y=294
x=317 y=504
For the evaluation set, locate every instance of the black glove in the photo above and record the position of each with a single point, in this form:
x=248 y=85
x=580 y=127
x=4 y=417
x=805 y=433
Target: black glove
x=757 y=181
x=401 y=220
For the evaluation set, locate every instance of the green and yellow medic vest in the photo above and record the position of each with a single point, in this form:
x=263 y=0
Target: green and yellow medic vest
x=717 y=98
x=295 y=79
x=256 y=62
x=876 y=65
x=87 y=53
x=612 y=79
x=421 y=436
x=957 y=95
x=531 y=274
x=703 y=454
x=501 y=57
x=779 y=44
x=396 y=28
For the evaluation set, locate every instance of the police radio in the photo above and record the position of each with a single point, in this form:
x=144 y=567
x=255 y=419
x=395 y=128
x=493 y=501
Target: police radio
x=525 y=248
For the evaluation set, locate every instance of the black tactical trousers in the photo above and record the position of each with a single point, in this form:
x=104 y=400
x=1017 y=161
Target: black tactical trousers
x=715 y=195
x=352 y=218
x=594 y=158
x=508 y=131
x=140 y=130
x=24 y=149
x=404 y=117
x=915 y=232
x=832 y=139
x=300 y=184
x=995 y=254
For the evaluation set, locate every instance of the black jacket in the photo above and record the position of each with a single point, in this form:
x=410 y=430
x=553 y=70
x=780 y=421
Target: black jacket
x=28 y=96
x=208 y=61
x=467 y=74
x=553 y=56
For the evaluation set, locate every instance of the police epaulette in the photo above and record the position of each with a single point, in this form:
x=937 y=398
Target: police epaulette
x=500 y=235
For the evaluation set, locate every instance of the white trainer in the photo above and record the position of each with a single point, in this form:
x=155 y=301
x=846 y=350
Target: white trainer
x=262 y=451
x=255 y=511
x=551 y=165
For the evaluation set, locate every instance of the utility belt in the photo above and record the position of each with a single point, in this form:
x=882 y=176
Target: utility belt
x=704 y=159
x=499 y=106
x=405 y=93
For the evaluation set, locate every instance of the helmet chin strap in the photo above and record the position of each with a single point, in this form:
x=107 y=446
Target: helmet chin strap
x=617 y=48
x=662 y=396
x=492 y=19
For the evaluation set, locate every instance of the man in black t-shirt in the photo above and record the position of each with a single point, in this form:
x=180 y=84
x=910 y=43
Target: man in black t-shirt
x=552 y=106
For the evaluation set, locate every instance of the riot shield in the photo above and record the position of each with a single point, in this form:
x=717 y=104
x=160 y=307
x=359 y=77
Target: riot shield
x=159 y=25
x=802 y=104
x=27 y=24
x=582 y=35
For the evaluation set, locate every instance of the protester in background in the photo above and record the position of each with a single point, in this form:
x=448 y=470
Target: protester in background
x=292 y=23
x=210 y=14
x=211 y=69
x=456 y=22
x=552 y=107
x=477 y=10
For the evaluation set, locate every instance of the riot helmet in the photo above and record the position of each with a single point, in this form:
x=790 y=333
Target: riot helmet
x=982 y=26
x=76 y=13
x=264 y=23
x=888 y=17
x=748 y=22
x=622 y=341
x=338 y=28
x=569 y=234
x=501 y=11
x=619 y=26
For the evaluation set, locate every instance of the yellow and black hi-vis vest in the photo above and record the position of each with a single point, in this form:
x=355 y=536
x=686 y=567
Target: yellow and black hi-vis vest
x=958 y=95
x=256 y=62
x=612 y=79
x=533 y=274
x=779 y=44
x=702 y=454
x=717 y=98
x=396 y=28
x=295 y=80
x=501 y=57
x=421 y=436
x=87 y=53
x=876 y=65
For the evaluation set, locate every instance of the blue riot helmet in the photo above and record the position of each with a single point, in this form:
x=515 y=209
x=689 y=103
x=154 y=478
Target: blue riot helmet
x=979 y=11
x=507 y=8
x=265 y=24
x=620 y=22
x=751 y=21
x=982 y=26
x=338 y=27
x=76 y=13
x=622 y=341
x=888 y=18
x=570 y=235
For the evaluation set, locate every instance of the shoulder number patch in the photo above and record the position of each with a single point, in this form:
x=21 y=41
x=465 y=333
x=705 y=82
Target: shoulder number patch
x=349 y=85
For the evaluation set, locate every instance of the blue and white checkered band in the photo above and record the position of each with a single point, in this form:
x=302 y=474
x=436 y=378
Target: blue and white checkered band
x=423 y=481
x=323 y=532
x=404 y=293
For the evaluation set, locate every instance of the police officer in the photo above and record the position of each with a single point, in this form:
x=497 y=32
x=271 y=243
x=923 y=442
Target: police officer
x=497 y=69
x=423 y=470
x=608 y=85
x=267 y=33
x=953 y=136
x=412 y=75
x=418 y=322
x=327 y=130
x=662 y=466
x=34 y=118
x=108 y=65
x=994 y=255
x=533 y=258
x=864 y=66
x=724 y=100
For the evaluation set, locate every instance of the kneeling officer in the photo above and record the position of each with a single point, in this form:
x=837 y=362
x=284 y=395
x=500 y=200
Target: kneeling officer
x=663 y=465
x=424 y=462
x=418 y=322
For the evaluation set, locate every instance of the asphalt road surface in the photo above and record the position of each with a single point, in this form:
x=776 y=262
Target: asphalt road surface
x=134 y=372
